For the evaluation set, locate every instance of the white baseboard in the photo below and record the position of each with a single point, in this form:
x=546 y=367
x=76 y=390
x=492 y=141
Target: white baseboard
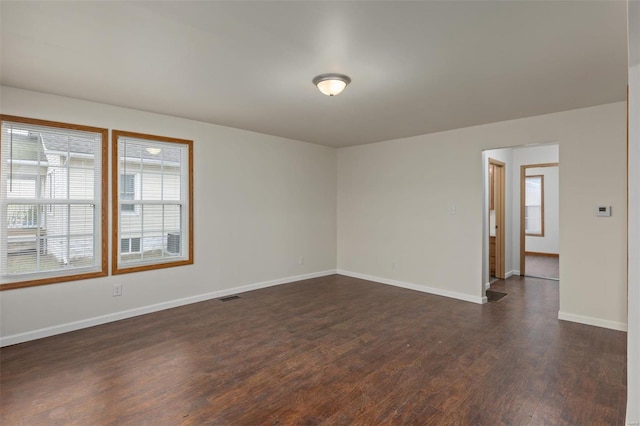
x=116 y=316
x=271 y=283
x=507 y=275
x=613 y=325
x=411 y=286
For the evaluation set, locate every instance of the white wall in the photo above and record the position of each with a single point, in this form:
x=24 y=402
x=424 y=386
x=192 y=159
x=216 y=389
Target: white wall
x=394 y=200
x=261 y=202
x=393 y=213
x=633 y=336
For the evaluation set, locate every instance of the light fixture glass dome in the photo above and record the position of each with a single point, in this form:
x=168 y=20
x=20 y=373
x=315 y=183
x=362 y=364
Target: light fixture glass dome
x=331 y=84
x=153 y=150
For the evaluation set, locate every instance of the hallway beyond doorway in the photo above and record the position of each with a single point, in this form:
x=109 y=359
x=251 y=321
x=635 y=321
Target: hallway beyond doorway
x=542 y=266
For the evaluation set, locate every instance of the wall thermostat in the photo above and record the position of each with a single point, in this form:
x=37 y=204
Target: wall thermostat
x=603 y=211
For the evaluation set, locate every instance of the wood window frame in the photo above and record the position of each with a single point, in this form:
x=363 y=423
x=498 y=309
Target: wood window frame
x=103 y=271
x=116 y=269
x=541 y=233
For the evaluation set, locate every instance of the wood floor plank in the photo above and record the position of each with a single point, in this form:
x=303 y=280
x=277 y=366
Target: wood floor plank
x=332 y=350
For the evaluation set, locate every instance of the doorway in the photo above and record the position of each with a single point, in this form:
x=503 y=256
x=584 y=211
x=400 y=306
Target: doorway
x=496 y=216
x=539 y=220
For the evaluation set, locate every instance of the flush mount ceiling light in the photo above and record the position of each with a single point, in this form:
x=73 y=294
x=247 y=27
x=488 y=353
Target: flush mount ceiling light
x=331 y=84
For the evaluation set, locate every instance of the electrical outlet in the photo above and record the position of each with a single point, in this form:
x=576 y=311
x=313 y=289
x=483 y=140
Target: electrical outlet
x=117 y=290
x=301 y=260
x=393 y=264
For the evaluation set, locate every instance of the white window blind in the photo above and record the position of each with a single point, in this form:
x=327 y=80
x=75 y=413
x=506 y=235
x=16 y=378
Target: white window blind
x=533 y=205
x=51 y=189
x=153 y=201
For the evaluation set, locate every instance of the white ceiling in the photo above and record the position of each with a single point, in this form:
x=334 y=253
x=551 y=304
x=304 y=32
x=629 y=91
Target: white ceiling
x=417 y=67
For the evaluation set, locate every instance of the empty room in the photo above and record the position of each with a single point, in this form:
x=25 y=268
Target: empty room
x=318 y=212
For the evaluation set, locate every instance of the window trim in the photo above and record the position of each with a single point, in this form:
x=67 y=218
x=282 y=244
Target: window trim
x=104 y=197
x=541 y=233
x=116 y=269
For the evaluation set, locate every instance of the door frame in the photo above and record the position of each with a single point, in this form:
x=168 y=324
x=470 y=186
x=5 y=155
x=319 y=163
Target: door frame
x=499 y=207
x=523 y=174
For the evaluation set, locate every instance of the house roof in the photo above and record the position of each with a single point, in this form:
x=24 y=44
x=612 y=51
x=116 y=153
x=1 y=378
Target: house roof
x=39 y=142
x=30 y=140
x=26 y=149
x=63 y=143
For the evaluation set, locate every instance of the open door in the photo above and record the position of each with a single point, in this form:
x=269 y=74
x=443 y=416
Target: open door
x=496 y=218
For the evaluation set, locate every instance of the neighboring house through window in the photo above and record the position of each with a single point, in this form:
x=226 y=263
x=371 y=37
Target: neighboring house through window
x=154 y=176
x=130 y=245
x=52 y=203
x=127 y=191
x=50 y=188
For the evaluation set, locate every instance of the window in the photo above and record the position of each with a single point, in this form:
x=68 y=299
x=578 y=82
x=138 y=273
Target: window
x=130 y=245
x=534 y=206
x=52 y=191
x=154 y=175
x=127 y=191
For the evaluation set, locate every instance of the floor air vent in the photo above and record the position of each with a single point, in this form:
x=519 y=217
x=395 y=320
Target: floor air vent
x=495 y=296
x=226 y=299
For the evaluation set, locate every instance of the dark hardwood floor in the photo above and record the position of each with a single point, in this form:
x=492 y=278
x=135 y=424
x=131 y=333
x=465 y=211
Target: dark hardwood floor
x=333 y=350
